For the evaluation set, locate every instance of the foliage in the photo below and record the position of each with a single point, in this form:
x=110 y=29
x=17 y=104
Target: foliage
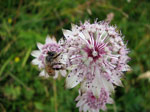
x=25 y=22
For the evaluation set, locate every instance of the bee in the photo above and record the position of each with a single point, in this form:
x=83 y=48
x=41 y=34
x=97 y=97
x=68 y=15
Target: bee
x=51 y=61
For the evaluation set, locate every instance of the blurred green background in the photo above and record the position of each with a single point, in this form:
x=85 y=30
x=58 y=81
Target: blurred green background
x=25 y=22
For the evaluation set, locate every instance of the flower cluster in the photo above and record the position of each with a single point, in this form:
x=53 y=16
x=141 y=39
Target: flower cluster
x=88 y=102
x=50 y=45
x=95 y=57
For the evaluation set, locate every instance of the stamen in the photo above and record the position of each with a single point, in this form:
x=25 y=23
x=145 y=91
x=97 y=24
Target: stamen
x=94 y=53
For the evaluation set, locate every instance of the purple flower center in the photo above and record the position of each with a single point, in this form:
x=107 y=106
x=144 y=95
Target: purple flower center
x=95 y=52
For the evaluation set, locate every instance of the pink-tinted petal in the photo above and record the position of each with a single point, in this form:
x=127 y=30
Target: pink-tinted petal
x=67 y=33
x=35 y=62
x=36 y=53
x=48 y=40
x=63 y=73
x=40 y=45
x=56 y=74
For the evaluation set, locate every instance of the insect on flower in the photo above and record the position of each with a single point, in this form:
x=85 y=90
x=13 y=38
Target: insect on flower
x=50 y=58
x=51 y=63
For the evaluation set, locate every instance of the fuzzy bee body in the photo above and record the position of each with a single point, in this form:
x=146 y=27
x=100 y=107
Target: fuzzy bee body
x=51 y=61
x=50 y=70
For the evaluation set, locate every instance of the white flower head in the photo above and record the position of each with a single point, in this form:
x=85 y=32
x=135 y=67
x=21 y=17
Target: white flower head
x=88 y=102
x=50 y=45
x=97 y=57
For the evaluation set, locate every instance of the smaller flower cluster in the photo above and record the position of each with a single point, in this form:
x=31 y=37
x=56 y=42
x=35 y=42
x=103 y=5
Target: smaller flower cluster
x=88 y=102
x=50 y=45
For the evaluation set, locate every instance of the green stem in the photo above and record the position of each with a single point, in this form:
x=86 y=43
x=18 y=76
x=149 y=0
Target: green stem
x=55 y=95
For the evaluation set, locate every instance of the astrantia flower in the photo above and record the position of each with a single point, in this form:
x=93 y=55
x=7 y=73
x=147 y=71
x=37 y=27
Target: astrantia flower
x=97 y=57
x=88 y=102
x=50 y=45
